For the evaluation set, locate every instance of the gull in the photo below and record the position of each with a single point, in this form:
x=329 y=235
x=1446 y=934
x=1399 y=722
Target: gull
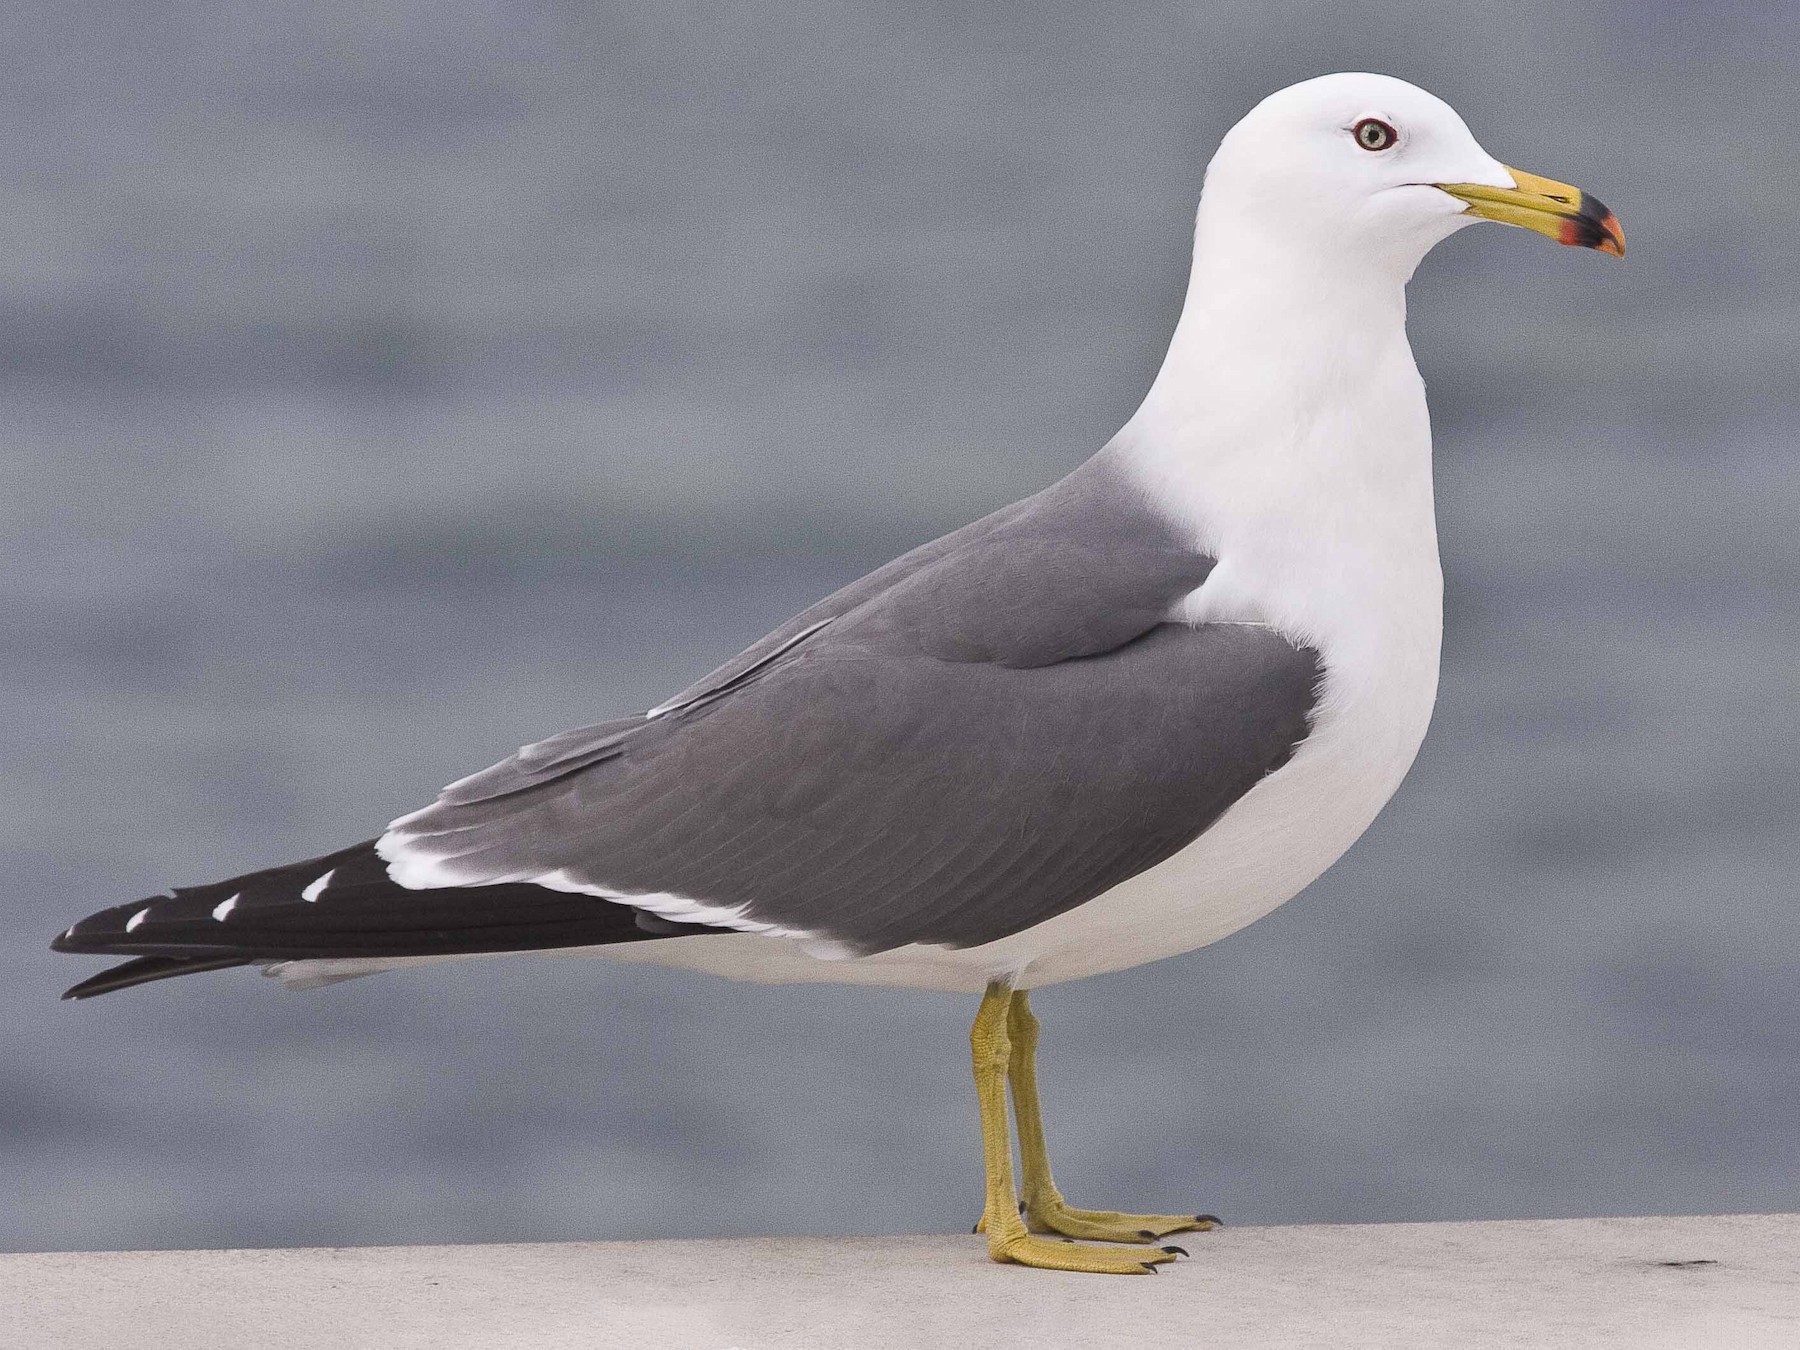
x=1112 y=722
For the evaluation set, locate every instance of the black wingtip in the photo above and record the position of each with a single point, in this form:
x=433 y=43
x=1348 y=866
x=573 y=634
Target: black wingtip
x=147 y=969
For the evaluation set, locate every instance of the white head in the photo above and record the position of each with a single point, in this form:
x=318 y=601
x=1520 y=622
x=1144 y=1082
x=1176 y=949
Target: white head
x=1369 y=172
x=1289 y=404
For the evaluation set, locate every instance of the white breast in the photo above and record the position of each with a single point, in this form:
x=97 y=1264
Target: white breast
x=1324 y=528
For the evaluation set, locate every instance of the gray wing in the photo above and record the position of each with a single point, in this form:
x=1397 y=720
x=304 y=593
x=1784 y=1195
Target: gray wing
x=998 y=731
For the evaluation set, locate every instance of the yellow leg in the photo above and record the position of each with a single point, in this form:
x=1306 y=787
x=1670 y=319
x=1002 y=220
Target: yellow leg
x=1007 y=1237
x=1045 y=1209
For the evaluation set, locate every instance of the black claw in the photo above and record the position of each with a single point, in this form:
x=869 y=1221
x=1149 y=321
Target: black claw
x=1146 y=1234
x=1147 y=1266
x=977 y=1227
x=1021 y=1206
x=1173 y=1250
x=1213 y=1219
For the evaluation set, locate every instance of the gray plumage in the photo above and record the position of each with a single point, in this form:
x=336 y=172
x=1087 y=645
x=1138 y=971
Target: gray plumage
x=981 y=735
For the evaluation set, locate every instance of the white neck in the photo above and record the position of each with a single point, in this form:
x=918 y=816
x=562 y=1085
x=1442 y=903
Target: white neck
x=1270 y=334
x=1287 y=434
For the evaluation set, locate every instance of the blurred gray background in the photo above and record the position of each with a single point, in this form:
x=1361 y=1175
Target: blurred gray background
x=388 y=384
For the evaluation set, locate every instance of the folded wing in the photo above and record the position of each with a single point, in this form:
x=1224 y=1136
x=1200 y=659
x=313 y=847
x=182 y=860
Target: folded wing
x=1003 y=730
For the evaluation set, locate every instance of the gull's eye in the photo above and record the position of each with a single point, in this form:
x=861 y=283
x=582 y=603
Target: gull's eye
x=1374 y=134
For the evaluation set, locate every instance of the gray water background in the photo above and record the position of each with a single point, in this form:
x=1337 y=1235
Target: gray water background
x=388 y=384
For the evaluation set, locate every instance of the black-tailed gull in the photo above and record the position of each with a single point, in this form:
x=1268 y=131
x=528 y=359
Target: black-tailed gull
x=1115 y=721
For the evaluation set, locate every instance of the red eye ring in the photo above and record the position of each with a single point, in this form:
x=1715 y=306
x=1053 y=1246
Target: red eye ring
x=1374 y=134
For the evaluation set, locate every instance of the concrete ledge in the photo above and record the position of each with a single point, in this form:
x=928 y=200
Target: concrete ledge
x=1731 y=1282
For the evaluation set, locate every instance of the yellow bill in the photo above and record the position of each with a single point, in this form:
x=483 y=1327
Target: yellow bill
x=1564 y=213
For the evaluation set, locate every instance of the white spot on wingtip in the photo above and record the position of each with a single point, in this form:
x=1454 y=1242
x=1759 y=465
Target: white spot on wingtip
x=132 y=923
x=221 y=910
x=317 y=888
x=418 y=872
